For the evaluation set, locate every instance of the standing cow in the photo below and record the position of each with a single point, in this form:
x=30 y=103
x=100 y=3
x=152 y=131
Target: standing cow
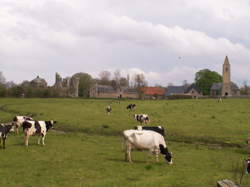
x=142 y=118
x=18 y=120
x=4 y=130
x=146 y=139
x=39 y=128
x=108 y=109
x=131 y=107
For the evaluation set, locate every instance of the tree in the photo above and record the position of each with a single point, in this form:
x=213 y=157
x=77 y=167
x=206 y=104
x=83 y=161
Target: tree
x=140 y=80
x=117 y=77
x=205 y=78
x=105 y=77
x=85 y=84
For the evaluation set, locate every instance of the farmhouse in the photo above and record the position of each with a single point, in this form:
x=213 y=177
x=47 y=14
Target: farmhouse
x=153 y=92
x=189 y=90
x=226 y=87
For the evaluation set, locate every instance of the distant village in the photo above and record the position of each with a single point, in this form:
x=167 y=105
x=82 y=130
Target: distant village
x=82 y=85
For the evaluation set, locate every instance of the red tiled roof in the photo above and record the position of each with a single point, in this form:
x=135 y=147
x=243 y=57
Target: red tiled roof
x=153 y=90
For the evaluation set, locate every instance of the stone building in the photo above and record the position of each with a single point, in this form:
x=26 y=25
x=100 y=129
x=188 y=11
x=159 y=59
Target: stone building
x=226 y=87
x=67 y=87
x=38 y=83
x=106 y=91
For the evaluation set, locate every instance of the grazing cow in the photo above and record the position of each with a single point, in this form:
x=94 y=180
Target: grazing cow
x=18 y=120
x=4 y=130
x=142 y=118
x=146 y=139
x=40 y=128
x=219 y=100
x=131 y=107
x=108 y=109
x=248 y=165
x=158 y=129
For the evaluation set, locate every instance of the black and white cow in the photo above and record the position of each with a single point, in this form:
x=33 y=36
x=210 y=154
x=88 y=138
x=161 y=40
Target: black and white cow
x=39 y=128
x=18 y=120
x=158 y=129
x=131 y=107
x=146 y=139
x=108 y=109
x=142 y=118
x=4 y=130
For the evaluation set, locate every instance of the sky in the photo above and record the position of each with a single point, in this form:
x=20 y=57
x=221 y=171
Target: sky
x=168 y=41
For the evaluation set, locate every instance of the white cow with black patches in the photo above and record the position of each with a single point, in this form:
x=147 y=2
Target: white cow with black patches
x=146 y=139
x=39 y=128
x=18 y=120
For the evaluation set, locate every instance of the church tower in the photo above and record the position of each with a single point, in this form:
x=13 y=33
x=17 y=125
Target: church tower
x=226 y=85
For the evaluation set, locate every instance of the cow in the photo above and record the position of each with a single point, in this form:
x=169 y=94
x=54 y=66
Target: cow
x=131 y=107
x=146 y=139
x=39 y=128
x=108 y=109
x=4 y=130
x=158 y=129
x=142 y=118
x=18 y=120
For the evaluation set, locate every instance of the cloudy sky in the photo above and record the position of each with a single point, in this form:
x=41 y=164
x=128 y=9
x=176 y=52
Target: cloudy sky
x=167 y=40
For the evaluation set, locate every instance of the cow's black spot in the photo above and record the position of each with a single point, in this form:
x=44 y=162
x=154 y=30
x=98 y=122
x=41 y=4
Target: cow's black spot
x=15 y=119
x=37 y=127
x=26 y=125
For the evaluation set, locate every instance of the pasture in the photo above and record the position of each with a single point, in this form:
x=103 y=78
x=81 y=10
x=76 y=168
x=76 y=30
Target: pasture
x=85 y=148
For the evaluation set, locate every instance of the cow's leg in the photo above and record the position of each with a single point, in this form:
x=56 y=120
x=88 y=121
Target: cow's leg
x=26 y=139
x=39 y=139
x=157 y=155
x=4 y=138
x=43 y=137
x=17 y=129
x=129 y=153
x=0 y=140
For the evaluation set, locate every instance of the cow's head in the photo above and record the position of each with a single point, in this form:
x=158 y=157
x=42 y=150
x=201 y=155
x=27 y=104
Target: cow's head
x=166 y=153
x=50 y=124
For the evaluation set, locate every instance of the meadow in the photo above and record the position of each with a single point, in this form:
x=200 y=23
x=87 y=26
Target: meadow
x=207 y=138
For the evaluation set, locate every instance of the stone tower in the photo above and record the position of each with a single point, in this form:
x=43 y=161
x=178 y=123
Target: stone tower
x=226 y=85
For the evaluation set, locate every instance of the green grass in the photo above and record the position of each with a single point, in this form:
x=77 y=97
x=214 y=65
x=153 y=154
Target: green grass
x=207 y=140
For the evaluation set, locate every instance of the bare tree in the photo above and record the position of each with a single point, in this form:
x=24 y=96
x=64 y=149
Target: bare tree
x=105 y=77
x=117 y=77
x=140 y=80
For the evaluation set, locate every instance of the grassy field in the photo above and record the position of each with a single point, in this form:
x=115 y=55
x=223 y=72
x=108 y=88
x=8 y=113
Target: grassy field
x=85 y=149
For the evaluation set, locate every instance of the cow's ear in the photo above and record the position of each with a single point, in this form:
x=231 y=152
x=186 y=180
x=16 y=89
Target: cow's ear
x=55 y=121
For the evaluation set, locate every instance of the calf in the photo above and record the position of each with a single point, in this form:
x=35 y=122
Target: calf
x=142 y=118
x=4 y=130
x=108 y=109
x=131 y=106
x=158 y=129
x=146 y=139
x=18 y=120
x=40 y=128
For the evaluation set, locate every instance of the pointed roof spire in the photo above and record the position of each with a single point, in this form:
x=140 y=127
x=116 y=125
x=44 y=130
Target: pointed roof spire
x=226 y=60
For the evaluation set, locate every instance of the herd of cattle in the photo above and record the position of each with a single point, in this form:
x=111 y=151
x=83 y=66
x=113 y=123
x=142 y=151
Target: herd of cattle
x=140 y=137
x=30 y=127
